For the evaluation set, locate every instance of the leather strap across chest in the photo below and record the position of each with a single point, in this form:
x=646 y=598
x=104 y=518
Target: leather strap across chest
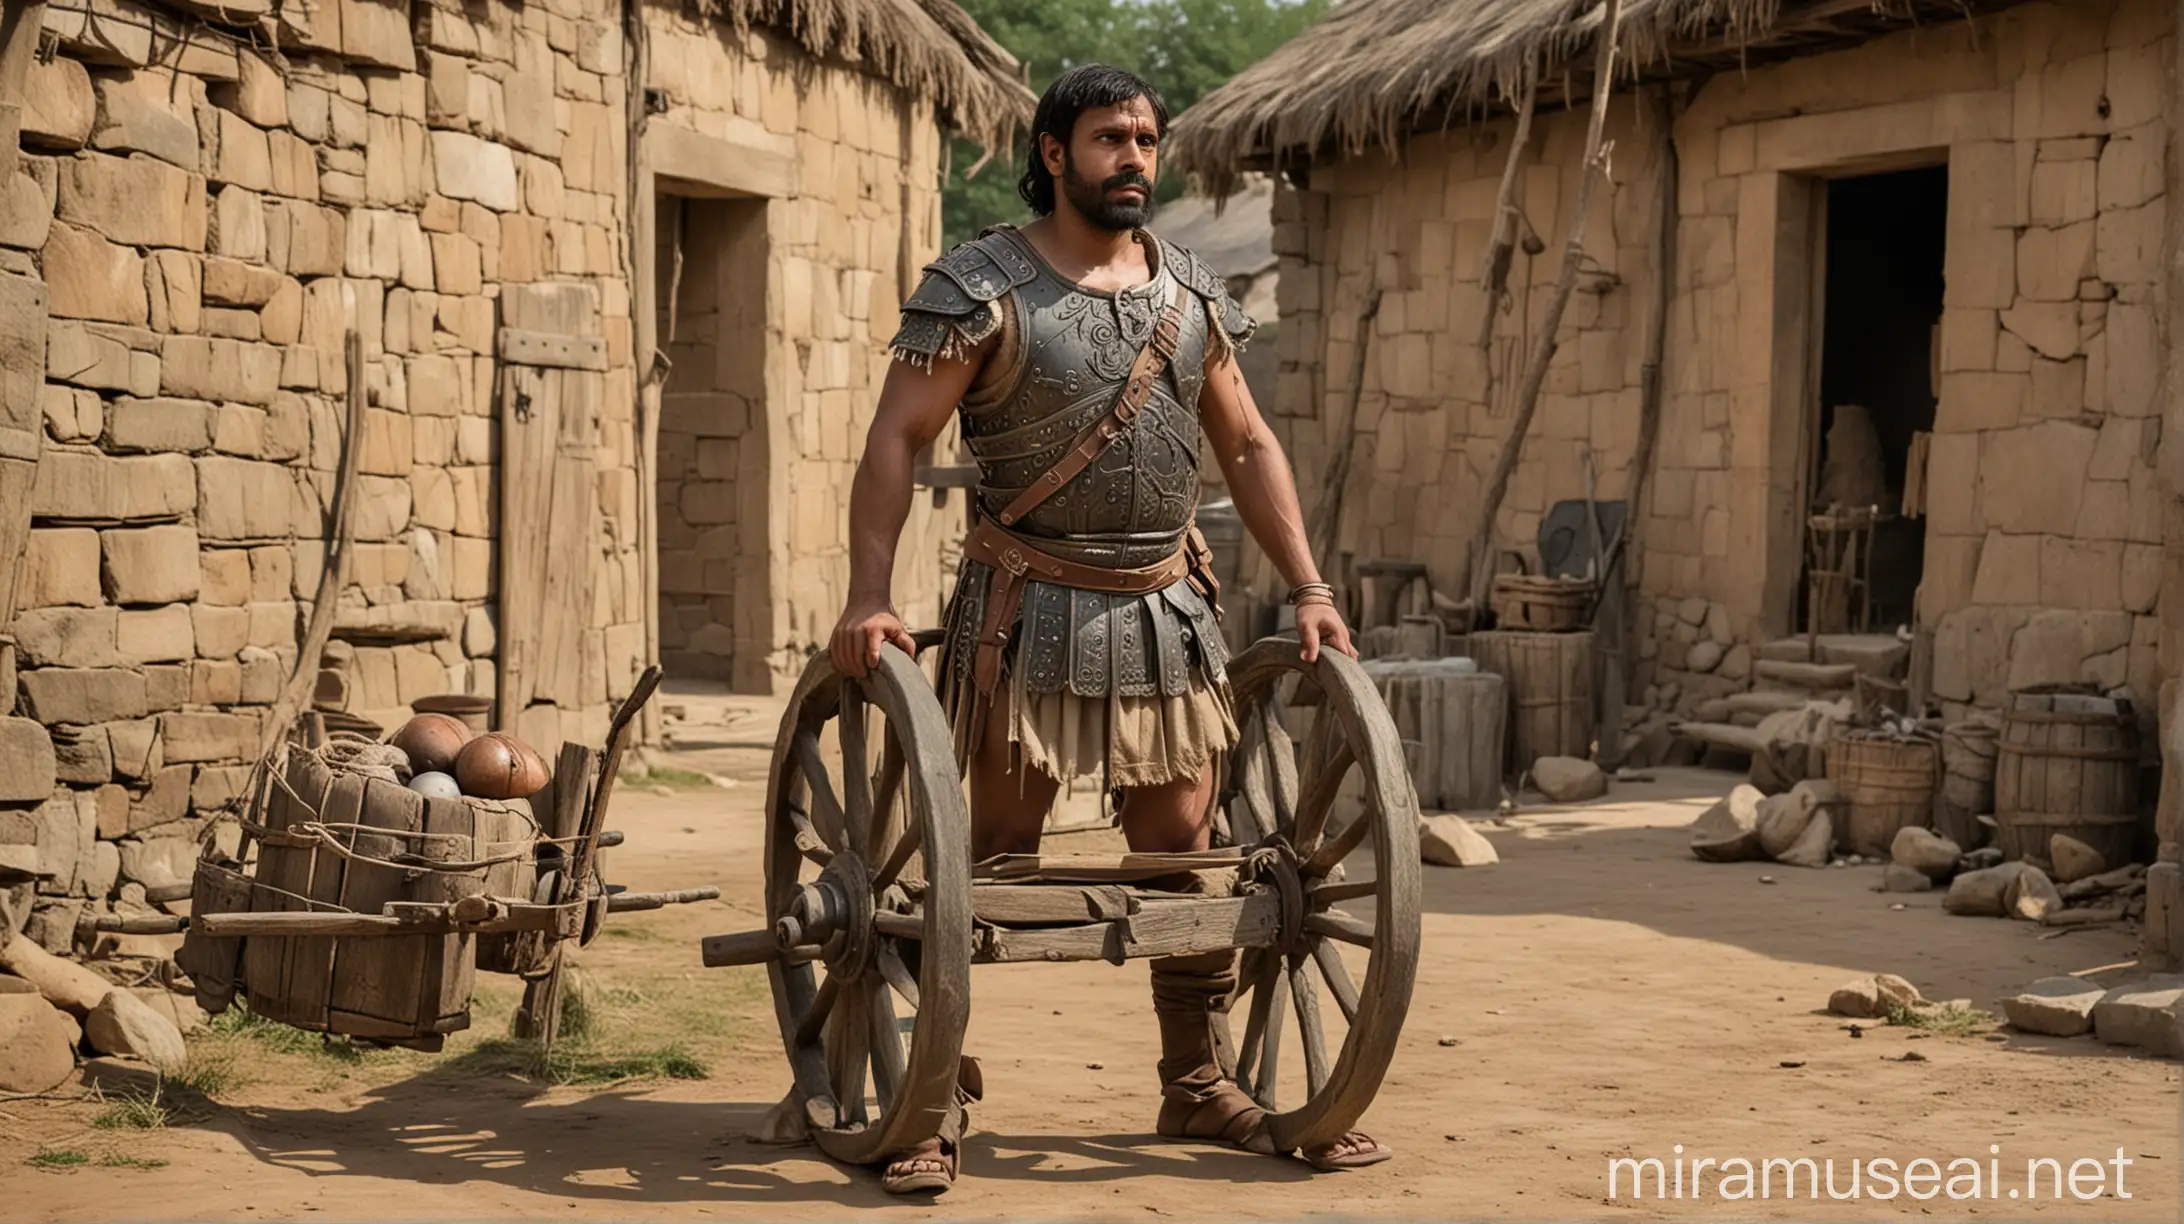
x=1146 y=371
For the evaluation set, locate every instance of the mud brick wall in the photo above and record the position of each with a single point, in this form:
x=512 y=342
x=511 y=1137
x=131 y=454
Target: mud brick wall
x=2047 y=516
x=209 y=199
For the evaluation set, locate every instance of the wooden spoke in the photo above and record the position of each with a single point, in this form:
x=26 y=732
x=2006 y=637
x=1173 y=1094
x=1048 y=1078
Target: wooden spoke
x=908 y=844
x=899 y=926
x=885 y=828
x=1254 y=815
x=822 y=1006
x=889 y=1067
x=826 y=810
x=856 y=770
x=1270 y=1052
x=1262 y=1001
x=1281 y=752
x=1330 y=853
x=1306 y=998
x=1330 y=894
x=808 y=842
x=1338 y=978
x=849 y=1046
x=889 y=962
x=1320 y=800
x=1336 y=925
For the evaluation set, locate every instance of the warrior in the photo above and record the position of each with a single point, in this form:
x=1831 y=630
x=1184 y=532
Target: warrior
x=1089 y=361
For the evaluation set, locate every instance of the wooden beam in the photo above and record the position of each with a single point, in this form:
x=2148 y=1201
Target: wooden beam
x=751 y=162
x=1183 y=927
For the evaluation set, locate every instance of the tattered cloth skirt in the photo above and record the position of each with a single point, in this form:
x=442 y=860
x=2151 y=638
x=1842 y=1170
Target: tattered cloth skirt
x=1134 y=683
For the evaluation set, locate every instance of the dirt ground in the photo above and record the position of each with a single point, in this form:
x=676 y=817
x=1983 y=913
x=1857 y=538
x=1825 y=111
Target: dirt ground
x=1598 y=994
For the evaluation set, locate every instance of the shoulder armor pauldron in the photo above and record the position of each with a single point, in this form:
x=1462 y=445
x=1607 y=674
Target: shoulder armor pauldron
x=1202 y=279
x=958 y=295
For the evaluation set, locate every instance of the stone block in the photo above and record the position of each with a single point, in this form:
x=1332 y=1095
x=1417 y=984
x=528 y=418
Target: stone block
x=218 y=786
x=83 y=695
x=135 y=200
x=2017 y=476
x=218 y=681
x=2062 y=193
x=232 y=282
x=88 y=277
x=262 y=675
x=136 y=116
x=467 y=168
x=26 y=216
x=529 y=106
x=2148 y=1014
x=377 y=32
x=151 y=565
x=76 y=354
x=220 y=632
x=2127 y=245
x=166 y=687
x=2052 y=262
x=205 y=368
x=159 y=425
x=58 y=105
x=82 y=755
x=60 y=566
x=2132 y=170
x=209 y=736
x=67 y=637
x=138 y=753
x=243 y=500
x=182 y=282
x=158 y=862
x=156 y=635
x=239 y=228
x=272 y=574
x=27 y=761
x=241 y=155
x=84 y=486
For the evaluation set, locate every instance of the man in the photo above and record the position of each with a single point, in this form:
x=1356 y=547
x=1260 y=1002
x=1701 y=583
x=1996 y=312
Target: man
x=1086 y=358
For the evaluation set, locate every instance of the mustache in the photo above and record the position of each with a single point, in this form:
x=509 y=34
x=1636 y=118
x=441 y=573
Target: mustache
x=1128 y=178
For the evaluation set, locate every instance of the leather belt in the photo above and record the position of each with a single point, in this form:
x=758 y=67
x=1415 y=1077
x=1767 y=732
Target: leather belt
x=1016 y=562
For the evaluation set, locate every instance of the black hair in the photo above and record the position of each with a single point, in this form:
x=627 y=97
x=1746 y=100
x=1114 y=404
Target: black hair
x=1076 y=91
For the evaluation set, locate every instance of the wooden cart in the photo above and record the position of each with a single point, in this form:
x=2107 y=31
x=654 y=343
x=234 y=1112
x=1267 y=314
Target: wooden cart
x=875 y=907
x=370 y=908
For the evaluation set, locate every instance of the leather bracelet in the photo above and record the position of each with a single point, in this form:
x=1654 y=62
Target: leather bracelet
x=1306 y=590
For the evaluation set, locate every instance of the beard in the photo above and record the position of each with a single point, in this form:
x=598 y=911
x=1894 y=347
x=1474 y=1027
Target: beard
x=1094 y=203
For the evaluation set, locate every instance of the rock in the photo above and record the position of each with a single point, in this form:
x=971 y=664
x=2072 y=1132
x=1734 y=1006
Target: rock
x=1448 y=840
x=468 y=168
x=35 y=1041
x=1925 y=851
x=1705 y=656
x=1811 y=847
x=1980 y=859
x=1897 y=878
x=27 y=761
x=64 y=983
x=2073 y=859
x=124 y=1024
x=1568 y=779
x=59 y=106
x=1736 y=663
x=1728 y=832
x=1873 y=998
x=2031 y=895
x=2148 y=1014
x=1897 y=991
x=179 y=1009
x=1692 y=611
x=1782 y=820
x=2055 y=1006
x=11 y=984
x=1980 y=893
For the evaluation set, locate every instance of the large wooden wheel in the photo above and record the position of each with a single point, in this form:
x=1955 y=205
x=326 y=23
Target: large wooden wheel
x=1356 y=886
x=847 y=849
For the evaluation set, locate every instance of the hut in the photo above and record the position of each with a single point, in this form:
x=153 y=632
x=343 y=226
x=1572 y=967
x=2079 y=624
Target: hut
x=1901 y=257
x=605 y=287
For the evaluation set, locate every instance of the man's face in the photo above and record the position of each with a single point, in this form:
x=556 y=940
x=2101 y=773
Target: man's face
x=1107 y=169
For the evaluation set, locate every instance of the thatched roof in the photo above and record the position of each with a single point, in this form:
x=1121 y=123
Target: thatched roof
x=1372 y=71
x=929 y=47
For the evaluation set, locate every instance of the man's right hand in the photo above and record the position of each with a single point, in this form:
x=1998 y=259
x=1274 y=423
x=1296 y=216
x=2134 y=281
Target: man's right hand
x=864 y=626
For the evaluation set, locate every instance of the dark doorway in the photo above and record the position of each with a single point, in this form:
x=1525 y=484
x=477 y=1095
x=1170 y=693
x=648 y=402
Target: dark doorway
x=1884 y=242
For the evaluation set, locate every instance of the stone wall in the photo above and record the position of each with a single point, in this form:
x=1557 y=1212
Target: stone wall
x=195 y=226
x=2046 y=519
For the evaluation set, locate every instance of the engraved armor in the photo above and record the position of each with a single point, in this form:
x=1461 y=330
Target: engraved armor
x=1064 y=355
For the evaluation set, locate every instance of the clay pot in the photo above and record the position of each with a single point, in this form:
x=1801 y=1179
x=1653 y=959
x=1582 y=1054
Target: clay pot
x=431 y=741
x=500 y=766
x=472 y=711
x=436 y=785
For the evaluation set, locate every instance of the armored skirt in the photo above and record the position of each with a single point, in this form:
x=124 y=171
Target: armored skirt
x=1132 y=683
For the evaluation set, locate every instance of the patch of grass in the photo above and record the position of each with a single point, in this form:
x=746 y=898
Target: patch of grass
x=134 y=1109
x=115 y=1160
x=241 y=1023
x=573 y=1062
x=209 y=1075
x=1945 y=1021
x=61 y=1158
x=673 y=779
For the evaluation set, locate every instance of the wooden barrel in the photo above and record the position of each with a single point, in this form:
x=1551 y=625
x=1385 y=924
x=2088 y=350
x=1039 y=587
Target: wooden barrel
x=1550 y=678
x=1967 y=783
x=334 y=841
x=1456 y=715
x=1545 y=605
x=1887 y=786
x=2068 y=762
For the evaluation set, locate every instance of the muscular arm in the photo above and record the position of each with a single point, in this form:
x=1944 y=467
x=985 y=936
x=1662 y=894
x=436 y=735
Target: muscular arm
x=1265 y=493
x=914 y=407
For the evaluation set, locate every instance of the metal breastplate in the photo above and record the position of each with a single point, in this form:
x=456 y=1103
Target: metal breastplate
x=1132 y=505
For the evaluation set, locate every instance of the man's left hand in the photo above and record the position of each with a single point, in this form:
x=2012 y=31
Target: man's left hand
x=1319 y=624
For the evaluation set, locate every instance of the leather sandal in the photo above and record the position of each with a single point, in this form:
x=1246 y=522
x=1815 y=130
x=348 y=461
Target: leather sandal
x=1225 y=1115
x=923 y=1172
x=1363 y=1150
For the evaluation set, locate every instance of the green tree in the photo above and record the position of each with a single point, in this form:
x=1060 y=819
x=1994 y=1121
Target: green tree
x=1185 y=47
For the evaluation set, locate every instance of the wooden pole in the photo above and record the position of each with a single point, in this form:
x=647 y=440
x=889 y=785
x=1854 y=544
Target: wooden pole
x=1501 y=248
x=1543 y=352
x=650 y=372
x=333 y=566
x=1327 y=521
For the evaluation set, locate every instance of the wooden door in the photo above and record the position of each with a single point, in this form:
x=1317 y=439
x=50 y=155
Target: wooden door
x=552 y=381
